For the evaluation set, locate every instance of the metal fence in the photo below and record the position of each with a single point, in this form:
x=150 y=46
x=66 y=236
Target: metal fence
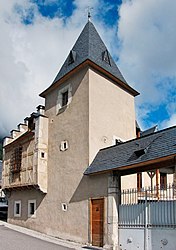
x=148 y=207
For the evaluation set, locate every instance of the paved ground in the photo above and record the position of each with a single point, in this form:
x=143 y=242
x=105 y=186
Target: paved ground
x=17 y=238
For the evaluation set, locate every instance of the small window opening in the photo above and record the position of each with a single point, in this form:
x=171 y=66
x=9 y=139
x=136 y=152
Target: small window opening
x=42 y=154
x=137 y=154
x=105 y=57
x=64 y=207
x=64 y=98
x=140 y=152
x=64 y=145
x=72 y=57
x=17 y=211
x=31 y=208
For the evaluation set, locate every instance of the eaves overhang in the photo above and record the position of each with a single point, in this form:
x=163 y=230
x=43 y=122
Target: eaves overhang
x=27 y=135
x=21 y=187
x=90 y=63
x=166 y=161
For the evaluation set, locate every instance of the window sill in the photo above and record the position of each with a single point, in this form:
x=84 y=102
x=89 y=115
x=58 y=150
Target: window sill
x=33 y=216
x=17 y=215
x=61 y=110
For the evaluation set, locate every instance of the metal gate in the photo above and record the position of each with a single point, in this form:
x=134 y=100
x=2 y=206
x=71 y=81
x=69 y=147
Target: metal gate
x=147 y=218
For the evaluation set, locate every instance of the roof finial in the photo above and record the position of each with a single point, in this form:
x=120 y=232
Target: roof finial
x=89 y=12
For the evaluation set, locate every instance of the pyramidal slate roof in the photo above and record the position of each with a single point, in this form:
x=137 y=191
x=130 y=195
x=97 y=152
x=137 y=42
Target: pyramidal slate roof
x=89 y=45
x=150 y=147
x=90 y=49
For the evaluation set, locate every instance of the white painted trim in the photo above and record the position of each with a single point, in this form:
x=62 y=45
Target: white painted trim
x=64 y=207
x=64 y=145
x=59 y=97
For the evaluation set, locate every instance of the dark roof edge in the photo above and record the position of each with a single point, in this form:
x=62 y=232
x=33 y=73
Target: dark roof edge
x=105 y=72
x=131 y=166
x=138 y=138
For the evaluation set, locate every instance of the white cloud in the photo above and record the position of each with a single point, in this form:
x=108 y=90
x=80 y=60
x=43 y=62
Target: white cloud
x=31 y=56
x=147 y=54
x=170 y=122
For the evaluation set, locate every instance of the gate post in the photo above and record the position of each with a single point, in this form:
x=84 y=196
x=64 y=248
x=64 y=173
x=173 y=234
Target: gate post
x=112 y=211
x=146 y=223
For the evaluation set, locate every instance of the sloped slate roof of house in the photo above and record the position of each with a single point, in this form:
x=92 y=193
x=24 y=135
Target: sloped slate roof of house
x=149 y=131
x=89 y=45
x=157 y=145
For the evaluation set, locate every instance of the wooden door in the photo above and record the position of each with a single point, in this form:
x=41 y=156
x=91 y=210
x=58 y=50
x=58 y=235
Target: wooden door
x=97 y=212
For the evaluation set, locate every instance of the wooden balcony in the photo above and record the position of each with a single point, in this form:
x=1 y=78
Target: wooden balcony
x=25 y=158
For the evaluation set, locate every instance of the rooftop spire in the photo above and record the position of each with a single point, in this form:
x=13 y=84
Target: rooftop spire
x=90 y=47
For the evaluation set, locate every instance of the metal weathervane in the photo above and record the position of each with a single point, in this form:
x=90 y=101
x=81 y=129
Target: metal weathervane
x=89 y=12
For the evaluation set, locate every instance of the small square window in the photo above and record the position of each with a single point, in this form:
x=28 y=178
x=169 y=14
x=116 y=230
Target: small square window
x=17 y=209
x=64 y=98
x=32 y=208
x=64 y=145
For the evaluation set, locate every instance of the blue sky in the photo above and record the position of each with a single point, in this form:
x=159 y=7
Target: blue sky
x=36 y=37
x=56 y=8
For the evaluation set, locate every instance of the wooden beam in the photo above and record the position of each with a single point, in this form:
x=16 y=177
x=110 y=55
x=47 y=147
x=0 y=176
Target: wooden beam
x=157 y=183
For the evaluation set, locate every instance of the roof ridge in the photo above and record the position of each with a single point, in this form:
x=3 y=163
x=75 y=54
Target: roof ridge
x=89 y=22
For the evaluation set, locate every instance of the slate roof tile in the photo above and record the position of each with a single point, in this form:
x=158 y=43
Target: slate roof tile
x=156 y=145
x=89 y=45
